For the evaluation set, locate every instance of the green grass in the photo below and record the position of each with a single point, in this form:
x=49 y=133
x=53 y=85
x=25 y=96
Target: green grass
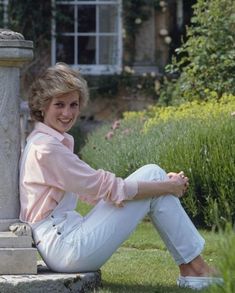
x=142 y=264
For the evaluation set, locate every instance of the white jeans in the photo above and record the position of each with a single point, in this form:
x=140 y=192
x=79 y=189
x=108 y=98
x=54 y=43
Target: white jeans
x=70 y=243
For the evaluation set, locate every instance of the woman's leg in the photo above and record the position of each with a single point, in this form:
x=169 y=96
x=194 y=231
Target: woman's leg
x=106 y=226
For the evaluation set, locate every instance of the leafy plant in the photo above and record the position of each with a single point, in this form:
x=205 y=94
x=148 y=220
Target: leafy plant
x=227 y=263
x=207 y=59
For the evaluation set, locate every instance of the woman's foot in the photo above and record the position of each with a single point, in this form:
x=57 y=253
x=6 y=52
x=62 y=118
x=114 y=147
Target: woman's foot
x=197 y=268
x=198 y=275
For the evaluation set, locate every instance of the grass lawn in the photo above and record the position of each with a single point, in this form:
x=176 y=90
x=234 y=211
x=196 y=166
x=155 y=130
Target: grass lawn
x=142 y=264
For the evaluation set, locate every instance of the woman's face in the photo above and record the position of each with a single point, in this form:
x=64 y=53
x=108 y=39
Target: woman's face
x=62 y=112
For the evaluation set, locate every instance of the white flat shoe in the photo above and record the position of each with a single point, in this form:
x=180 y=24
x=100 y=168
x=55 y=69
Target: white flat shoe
x=198 y=283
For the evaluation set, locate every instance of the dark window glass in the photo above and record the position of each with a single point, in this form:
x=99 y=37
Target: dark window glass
x=86 y=50
x=65 y=49
x=65 y=18
x=1 y=15
x=86 y=18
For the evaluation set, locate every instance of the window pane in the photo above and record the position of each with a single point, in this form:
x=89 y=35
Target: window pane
x=108 y=18
x=65 y=18
x=86 y=50
x=1 y=15
x=65 y=49
x=86 y=18
x=108 y=50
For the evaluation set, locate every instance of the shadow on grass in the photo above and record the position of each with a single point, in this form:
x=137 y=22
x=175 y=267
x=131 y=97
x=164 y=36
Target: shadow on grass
x=131 y=288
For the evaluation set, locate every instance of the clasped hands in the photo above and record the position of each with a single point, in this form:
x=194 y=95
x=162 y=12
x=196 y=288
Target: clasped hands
x=181 y=183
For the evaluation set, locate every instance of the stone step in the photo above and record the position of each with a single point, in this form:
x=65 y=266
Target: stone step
x=48 y=281
x=10 y=240
x=18 y=261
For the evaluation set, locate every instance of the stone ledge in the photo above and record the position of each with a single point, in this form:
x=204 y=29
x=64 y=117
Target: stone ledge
x=11 y=240
x=48 y=281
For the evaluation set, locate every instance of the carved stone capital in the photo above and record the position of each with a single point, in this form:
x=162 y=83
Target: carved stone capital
x=6 y=34
x=14 y=49
x=20 y=229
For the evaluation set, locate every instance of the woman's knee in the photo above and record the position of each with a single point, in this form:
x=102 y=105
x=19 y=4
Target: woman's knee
x=149 y=172
x=155 y=172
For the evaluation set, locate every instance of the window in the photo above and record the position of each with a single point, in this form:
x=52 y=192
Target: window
x=3 y=13
x=88 y=35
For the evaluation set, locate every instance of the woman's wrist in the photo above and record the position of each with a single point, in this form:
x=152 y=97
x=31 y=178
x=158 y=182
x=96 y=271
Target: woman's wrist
x=147 y=189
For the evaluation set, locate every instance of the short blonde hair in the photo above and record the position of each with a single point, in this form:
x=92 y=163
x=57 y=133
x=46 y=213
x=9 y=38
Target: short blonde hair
x=56 y=80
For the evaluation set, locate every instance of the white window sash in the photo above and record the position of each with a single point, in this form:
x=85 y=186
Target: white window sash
x=93 y=68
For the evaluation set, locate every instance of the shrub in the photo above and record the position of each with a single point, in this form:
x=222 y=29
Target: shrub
x=195 y=137
x=206 y=60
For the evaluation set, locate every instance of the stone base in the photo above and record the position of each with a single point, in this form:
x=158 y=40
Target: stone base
x=17 y=256
x=18 y=261
x=48 y=281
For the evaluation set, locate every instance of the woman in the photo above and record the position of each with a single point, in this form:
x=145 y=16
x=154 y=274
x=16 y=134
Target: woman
x=53 y=178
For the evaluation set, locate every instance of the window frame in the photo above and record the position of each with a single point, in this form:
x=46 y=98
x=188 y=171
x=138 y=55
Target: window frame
x=90 y=69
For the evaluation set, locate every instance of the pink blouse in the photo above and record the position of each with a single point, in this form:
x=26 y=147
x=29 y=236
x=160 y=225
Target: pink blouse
x=51 y=169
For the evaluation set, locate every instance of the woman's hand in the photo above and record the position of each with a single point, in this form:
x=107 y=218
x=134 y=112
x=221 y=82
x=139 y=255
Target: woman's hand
x=180 y=183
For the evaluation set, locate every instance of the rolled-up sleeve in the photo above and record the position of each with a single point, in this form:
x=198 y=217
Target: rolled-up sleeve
x=59 y=167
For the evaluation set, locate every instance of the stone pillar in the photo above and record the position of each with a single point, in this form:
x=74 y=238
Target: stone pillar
x=16 y=253
x=145 y=47
x=14 y=51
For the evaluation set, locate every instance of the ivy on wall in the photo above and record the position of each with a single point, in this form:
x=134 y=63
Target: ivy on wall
x=32 y=19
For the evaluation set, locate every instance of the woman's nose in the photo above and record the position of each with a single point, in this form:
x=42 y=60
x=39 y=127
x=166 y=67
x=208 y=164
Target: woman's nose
x=67 y=112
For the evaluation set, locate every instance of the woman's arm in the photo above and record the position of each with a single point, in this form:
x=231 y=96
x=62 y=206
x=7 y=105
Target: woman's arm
x=59 y=168
x=177 y=185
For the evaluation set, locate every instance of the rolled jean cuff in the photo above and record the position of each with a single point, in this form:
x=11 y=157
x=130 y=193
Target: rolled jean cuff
x=192 y=256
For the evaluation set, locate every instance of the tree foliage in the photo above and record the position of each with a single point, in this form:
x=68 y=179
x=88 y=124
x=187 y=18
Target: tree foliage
x=32 y=19
x=206 y=61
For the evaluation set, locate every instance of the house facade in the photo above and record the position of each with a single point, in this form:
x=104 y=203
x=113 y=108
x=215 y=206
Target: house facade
x=93 y=35
x=108 y=39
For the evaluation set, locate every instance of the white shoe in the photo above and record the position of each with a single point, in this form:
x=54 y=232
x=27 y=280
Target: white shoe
x=198 y=283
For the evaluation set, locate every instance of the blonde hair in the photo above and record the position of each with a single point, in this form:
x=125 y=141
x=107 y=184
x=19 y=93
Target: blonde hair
x=56 y=80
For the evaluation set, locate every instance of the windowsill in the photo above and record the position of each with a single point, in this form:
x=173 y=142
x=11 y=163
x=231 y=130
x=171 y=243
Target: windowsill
x=98 y=69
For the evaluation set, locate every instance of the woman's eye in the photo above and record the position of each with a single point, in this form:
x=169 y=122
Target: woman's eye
x=74 y=105
x=59 y=105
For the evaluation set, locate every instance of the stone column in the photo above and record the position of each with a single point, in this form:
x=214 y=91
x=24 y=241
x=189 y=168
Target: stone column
x=14 y=51
x=16 y=253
